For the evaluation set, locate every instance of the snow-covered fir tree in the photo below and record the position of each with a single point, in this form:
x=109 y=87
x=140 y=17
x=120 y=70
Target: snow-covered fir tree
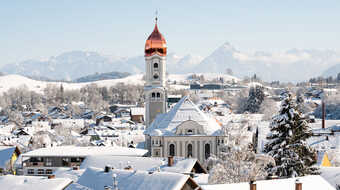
x=255 y=99
x=237 y=161
x=287 y=142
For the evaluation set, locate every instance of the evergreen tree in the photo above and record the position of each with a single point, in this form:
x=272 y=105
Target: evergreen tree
x=255 y=99
x=287 y=142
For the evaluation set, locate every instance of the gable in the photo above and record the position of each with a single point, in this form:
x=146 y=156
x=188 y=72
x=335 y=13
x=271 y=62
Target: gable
x=189 y=127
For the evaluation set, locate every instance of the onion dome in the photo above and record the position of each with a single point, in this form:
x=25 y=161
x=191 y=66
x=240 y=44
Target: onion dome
x=155 y=44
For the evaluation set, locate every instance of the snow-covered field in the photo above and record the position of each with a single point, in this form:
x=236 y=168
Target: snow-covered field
x=17 y=81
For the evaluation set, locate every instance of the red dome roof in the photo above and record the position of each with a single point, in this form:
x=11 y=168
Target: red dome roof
x=155 y=44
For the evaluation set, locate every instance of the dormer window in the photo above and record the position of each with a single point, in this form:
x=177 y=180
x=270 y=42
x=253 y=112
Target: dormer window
x=155 y=65
x=190 y=132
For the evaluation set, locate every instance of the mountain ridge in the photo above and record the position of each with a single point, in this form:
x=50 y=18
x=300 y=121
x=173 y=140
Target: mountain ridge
x=292 y=65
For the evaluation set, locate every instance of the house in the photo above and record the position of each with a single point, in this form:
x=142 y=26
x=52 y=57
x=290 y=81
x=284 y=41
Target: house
x=8 y=156
x=323 y=160
x=170 y=164
x=103 y=118
x=307 y=182
x=11 y=182
x=122 y=112
x=98 y=179
x=137 y=114
x=45 y=161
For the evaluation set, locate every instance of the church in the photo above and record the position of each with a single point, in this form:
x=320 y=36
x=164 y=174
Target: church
x=183 y=131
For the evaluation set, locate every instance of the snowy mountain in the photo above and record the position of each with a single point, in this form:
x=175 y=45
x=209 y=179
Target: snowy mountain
x=332 y=71
x=76 y=64
x=291 y=65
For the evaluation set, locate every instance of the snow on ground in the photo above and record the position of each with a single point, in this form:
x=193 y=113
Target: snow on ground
x=17 y=81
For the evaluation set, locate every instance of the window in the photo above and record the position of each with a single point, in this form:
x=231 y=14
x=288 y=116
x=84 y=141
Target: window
x=155 y=65
x=207 y=151
x=49 y=171
x=190 y=132
x=75 y=159
x=48 y=162
x=153 y=95
x=158 y=95
x=36 y=159
x=41 y=171
x=189 y=150
x=172 y=150
x=155 y=76
x=156 y=153
x=65 y=161
x=153 y=142
x=30 y=171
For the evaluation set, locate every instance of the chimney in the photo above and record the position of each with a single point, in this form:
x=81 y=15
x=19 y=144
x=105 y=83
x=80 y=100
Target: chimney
x=107 y=169
x=298 y=185
x=51 y=176
x=252 y=185
x=75 y=168
x=170 y=161
x=323 y=114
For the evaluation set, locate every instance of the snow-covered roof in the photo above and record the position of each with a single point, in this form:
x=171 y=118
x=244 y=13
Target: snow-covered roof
x=308 y=182
x=61 y=151
x=6 y=153
x=181 y=165
x=166 y=124
x=96 y=179
x=11 y=182
x=138 y=111
x=331 y=174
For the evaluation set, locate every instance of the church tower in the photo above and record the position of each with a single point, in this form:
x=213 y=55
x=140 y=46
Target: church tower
x=155 y=77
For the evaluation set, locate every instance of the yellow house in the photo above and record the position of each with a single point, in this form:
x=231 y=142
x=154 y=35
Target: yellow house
x=323 y=160
x=8 y=156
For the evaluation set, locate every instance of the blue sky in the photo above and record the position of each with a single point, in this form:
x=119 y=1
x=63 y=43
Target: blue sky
x=40 y=28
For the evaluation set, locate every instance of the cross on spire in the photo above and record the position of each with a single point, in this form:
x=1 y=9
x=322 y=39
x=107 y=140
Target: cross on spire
x=156 y=13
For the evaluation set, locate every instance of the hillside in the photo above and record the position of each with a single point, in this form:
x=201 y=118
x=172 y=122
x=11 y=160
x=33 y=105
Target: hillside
x=101 y=76
x=17 y=81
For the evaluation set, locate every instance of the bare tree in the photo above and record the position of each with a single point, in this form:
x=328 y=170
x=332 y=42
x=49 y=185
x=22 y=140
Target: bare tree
x=237 y=161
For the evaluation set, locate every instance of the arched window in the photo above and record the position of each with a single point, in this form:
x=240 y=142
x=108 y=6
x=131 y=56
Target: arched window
x=190 y=132
x=172 y=150
x=189 y=151
x=158 y=95
x=207 y=150
x=155 y=65
x=153 y=95
x=155 y=76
